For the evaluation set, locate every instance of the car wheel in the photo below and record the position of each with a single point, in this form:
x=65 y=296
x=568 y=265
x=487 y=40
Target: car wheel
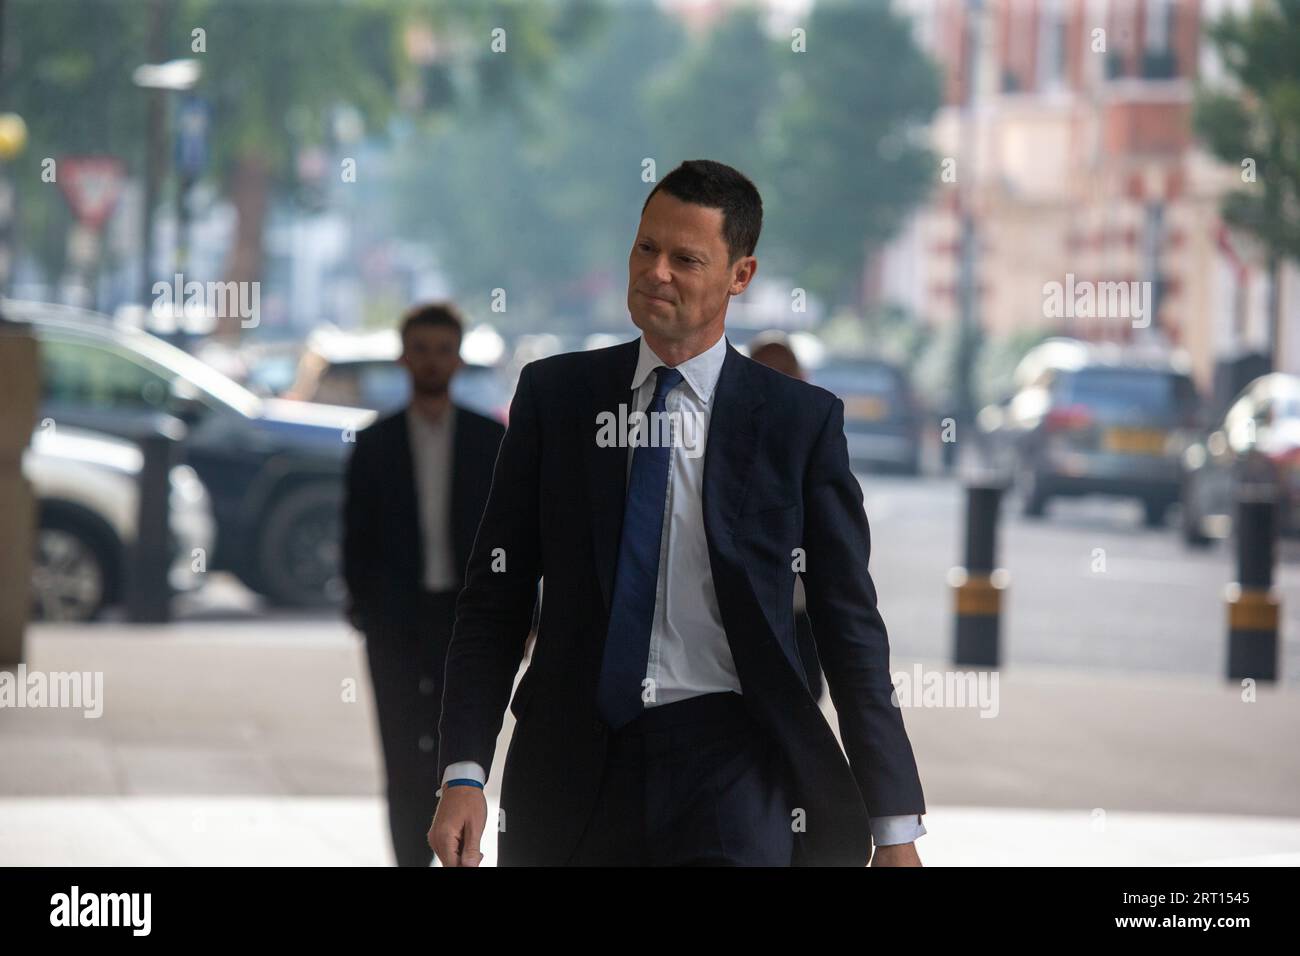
x=71 y=572
x=1194 y=535
x=301 y=548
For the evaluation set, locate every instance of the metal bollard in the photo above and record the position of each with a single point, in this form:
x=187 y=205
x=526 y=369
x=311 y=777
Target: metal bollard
x=978 y=587
x=148 y=589
x=1253 y=609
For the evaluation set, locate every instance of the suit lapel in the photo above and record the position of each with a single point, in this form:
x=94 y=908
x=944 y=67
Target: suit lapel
x=408 y=501
x=733 y=439
x=606 y=468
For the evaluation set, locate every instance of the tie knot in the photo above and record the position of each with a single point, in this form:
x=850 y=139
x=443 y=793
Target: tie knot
x=667 y=379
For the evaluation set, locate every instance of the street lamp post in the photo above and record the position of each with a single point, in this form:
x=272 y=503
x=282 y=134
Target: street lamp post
x=173 y=76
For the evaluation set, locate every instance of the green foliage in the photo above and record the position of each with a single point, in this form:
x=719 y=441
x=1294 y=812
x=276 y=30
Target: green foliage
x=1258 y=118
x=847 y=167
x=545 y=203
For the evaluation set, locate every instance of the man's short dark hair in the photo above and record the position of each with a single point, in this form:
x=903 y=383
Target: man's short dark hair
x=704 y=182
x=433 y=314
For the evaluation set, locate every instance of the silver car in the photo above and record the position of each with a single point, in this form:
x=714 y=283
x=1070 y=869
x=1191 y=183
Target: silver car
x=86 y=486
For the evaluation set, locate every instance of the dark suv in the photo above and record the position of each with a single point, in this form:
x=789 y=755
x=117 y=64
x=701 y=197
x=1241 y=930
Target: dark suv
x=881 y=416
x=1087 y=420
x=272 y=468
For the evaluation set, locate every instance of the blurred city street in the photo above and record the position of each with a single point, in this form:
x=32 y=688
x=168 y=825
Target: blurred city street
x=228 y=737
x=335 y=335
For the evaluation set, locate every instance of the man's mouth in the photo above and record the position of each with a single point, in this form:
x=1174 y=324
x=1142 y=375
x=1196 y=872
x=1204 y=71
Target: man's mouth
x=650 y=295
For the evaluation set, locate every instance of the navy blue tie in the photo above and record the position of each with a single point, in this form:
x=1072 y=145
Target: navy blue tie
x=636 y=577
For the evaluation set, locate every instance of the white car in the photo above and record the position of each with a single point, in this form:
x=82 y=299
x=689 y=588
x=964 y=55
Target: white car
x=86 y=487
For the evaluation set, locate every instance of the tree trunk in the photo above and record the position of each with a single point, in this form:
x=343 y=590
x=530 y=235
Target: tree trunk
x=1274 y=318
x=250 y=186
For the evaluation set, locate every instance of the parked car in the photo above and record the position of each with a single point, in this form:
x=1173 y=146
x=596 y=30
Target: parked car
x=273 y=468
x=882 y=420
x=360 y=369
x=1091 y=419
x=1258 y=442
x=87 y=492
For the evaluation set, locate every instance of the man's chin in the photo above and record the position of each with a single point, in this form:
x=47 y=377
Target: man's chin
x=654 y=324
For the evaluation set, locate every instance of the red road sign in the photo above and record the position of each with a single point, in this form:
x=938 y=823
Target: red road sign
x=91 y=185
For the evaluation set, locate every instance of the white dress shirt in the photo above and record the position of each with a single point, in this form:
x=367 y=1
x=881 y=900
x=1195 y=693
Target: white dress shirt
x=689 y=654
x=431 y=446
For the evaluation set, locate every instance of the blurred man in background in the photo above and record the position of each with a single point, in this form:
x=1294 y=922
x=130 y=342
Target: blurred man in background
x=417 y=483
x=773 y=350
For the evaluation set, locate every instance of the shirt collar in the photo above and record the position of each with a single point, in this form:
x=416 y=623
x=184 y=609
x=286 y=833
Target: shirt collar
x=700 y=372
x=419 y=422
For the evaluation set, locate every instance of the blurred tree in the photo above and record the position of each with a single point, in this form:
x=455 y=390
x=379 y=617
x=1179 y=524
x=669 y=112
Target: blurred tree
x=275 y=75
x=277 y=71
x=825 y=135
x=68 y=74
x=541 y=201
x=847 y=164
x=1257 y=119
x=716 y=101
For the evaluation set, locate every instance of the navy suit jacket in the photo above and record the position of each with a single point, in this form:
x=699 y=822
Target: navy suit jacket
x=776 y=478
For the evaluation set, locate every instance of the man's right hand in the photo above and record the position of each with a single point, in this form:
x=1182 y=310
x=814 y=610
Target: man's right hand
x=458 y=826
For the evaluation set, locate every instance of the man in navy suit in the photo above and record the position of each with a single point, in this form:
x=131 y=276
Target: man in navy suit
x=668 y=490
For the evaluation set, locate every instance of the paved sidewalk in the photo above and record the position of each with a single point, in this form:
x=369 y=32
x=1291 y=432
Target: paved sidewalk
x=351 y=831
x=249 y=742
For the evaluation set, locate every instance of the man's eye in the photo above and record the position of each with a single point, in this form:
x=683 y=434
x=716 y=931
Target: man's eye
x=686 y=259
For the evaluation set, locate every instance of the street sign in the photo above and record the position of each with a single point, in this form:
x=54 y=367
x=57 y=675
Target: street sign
x=91 y=185
x=192 y=122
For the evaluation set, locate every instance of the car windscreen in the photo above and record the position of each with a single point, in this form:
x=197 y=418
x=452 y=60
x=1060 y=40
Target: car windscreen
x=1115 y=392
x=383 y=386
x=872 y=391
x=180 y=363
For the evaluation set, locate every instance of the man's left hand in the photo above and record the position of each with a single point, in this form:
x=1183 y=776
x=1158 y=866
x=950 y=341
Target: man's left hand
x=897 y=854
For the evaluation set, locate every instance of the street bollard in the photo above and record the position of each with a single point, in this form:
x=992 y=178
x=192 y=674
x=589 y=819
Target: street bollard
x=20 y=389
x=1253 y=610
x=978 y=586
x=148 y=588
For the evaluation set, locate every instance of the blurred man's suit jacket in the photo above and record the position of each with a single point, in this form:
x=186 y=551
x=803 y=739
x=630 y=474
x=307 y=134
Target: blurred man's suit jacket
x=776 y=478
x=383 y=549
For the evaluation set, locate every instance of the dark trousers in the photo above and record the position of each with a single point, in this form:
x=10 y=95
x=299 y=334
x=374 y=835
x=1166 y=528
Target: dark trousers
x=692 y=783
x=408 y=656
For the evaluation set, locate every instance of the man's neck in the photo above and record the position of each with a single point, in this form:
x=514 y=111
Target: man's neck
x=432 y=408
x=674 y=353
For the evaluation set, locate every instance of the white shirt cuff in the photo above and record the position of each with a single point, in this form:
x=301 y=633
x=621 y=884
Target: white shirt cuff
x=886 y=831
x=466 y=769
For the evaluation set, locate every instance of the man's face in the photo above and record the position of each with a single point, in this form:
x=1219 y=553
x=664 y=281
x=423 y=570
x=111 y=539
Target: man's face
x=678 y=278
x=431 y=355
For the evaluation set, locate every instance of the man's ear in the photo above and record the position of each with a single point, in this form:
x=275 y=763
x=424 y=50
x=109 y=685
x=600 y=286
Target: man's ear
x=743 y=274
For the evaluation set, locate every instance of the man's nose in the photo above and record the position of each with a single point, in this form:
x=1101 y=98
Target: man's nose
x=660 y=272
